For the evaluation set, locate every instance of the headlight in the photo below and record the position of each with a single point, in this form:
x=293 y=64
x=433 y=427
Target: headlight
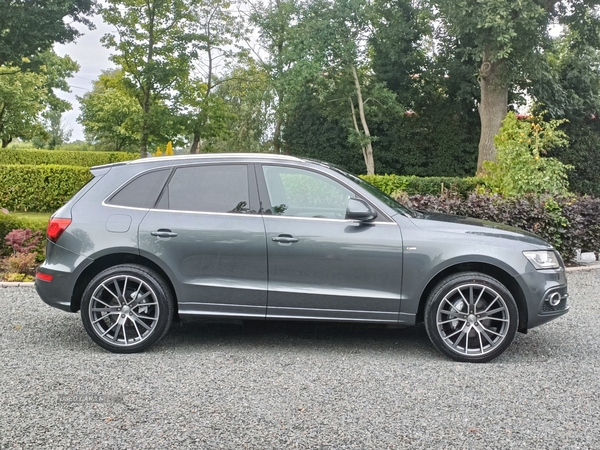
x=542 y=259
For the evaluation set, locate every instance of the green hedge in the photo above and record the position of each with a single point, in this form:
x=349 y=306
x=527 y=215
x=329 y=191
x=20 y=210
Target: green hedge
x=412 y=185
x=9 y=222
x=10 y=156
x=42 y=188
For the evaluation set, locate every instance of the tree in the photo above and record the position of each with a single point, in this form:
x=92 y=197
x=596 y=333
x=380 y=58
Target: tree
x=23 y=97
x=247 y=93
x=334 y=39
x=31 y=27
x=154 y=47
x=203 y=113
x=506 y=39
x=110 y=115
x=569 y=88
x=275 y=22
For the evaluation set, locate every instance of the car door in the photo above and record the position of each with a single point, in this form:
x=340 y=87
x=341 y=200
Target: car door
x=206 y=231
x=320 y=264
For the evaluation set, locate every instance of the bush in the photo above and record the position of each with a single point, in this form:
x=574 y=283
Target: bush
x=391 y=184
x=521 y=167
x=39 y=188
x=9 y=156
x=10 y=222
x=568 y=223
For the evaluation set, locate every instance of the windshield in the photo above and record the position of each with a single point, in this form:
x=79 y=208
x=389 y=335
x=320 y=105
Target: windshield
x=389 y=201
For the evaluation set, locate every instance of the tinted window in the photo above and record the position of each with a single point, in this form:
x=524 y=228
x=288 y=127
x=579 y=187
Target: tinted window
x=143 y=191
x=209 y=189
x=302 y=193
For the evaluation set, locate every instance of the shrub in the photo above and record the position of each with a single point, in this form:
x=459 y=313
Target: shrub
x=39 y=188
x=391 y=184
x=9 y=156
x=568 y=223
x=521 y=167
x=11 y=222
x=23 y=240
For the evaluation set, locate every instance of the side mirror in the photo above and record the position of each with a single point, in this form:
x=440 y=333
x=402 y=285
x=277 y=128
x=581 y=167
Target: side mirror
x=358 y=209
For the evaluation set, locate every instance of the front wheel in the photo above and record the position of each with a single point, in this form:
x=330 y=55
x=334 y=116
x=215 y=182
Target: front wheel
x=127 y=308
x=471 y=317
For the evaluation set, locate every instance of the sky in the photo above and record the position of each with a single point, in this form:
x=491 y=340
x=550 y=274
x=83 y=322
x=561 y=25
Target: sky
x=92 y=58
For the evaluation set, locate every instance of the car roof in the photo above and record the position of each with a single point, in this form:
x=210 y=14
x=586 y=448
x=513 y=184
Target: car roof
x=205 y=157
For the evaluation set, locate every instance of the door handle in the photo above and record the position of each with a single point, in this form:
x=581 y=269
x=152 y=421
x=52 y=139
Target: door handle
x=285 y=239
x=163 y=233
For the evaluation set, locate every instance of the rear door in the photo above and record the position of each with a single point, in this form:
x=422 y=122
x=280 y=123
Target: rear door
x=206 y=230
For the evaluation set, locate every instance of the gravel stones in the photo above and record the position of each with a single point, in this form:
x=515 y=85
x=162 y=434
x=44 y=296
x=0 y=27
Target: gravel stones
x=296 y=385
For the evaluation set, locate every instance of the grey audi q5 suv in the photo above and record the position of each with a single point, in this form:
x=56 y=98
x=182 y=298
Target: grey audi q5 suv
x=267 y=237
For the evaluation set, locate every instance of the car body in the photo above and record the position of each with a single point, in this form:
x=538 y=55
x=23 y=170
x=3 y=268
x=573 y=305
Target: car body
x=262 y=236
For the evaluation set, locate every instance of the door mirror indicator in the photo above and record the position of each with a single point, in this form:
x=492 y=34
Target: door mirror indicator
x=358 y=209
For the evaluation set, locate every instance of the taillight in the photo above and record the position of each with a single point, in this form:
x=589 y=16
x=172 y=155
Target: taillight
x=56 y=227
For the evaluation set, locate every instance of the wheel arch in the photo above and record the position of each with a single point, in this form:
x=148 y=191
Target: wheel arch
x=488 y=269
x=104 y=262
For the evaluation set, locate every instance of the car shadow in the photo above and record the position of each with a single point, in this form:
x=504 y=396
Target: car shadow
x=282 y=335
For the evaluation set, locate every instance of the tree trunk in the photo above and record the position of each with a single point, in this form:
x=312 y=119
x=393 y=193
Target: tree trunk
x=277 y=136
x=5 y=142
x=195 y=142
x=492 y=109
x=368 y=148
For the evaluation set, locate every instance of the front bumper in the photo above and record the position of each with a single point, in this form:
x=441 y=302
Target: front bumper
x=540 y=287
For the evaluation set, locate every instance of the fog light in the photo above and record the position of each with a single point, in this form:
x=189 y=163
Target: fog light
x=554 y=299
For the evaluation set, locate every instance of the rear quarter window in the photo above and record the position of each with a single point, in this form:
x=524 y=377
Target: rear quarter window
x=142 y=191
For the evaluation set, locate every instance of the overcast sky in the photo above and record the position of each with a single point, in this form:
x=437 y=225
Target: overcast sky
x=92 y=57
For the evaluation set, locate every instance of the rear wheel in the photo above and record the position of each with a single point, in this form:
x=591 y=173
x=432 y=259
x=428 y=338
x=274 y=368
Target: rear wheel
x=471 y=317
x=127 y=308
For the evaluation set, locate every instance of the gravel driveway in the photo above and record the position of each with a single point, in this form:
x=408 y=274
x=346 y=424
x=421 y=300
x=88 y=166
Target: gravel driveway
x=296 y=385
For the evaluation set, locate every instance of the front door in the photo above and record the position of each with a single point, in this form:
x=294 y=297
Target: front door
x=320 y=264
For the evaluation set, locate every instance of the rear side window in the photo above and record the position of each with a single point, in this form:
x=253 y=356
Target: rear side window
x=141 y=192
x=222 y=189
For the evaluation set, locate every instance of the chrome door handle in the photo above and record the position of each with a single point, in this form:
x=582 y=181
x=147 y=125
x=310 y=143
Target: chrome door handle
x=285 y=239
x=163 y=233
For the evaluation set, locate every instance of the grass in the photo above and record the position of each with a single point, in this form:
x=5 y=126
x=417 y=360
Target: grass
x=32 y=215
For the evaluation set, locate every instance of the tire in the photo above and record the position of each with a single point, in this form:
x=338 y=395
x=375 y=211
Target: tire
x=127 y=308
x=471 y=317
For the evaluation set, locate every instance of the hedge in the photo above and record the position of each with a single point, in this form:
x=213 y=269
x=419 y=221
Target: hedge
x=10 y=156
x=9 y=222
x=568 y=223
x=412 y=185
x=43 y=188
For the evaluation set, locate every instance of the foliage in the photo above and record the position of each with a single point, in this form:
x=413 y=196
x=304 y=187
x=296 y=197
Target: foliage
x=568 y=223
x=22 y=99
x=19 y=264
x=154 y=44
x=569 y=87
x=506 y=41
x=10 y=156
x=521 y=167
x=412 y=185
x=13 y=221
x=23 y=240
x=34 y=26
x=39 y=188
x=110 y=115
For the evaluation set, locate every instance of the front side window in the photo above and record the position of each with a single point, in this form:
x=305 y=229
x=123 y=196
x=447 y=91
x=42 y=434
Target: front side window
x=221 y=189
x=303 y=193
